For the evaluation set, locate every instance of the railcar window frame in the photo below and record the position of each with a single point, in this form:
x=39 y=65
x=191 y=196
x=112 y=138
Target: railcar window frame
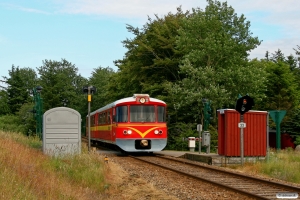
x=147 y=113
x=108 y=117
x=161 y=115
x=122 y=111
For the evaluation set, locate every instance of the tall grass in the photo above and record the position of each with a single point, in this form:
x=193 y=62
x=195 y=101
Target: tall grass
x=26 y=173
x=283 y=165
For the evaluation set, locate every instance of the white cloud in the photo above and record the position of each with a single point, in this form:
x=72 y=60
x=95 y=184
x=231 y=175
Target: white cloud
x=126 y=8
x=276 y=12
x=23 y=8
x=286 y=46
x=282 y=16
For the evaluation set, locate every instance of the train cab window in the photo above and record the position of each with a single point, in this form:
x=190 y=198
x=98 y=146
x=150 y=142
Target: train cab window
x=161 y=114
x=122 y=114
x=104 y=118
x=99 y=118
x=108 y=117
x=93 y=120
x=140 y=113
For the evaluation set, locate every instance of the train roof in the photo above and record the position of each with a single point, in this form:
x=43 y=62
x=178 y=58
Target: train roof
x=124 y=100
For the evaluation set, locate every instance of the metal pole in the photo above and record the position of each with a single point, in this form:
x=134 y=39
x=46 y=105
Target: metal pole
x=200 y=130
x=278 y=145
x=36 y=111
x=39 y=114
x=268 y=148
x=242 y=141
x=89 y=114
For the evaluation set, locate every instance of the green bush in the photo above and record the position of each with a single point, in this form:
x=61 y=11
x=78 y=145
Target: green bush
x=11 y=123
x=177 y=134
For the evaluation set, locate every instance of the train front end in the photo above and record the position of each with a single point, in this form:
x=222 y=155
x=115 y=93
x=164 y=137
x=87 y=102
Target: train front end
x=141 y=124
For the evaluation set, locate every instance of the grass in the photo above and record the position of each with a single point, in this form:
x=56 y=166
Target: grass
x=283 y=165
x=27 y=173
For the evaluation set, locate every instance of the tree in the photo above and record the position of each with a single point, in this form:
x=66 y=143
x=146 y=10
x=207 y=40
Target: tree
x=292 y=126
x=20 y=82
x=282 y=89
x=26 y=119
x=4 y=106
x=61 y=84
x=278 y=56
x=152 y=57
x=216 y=44
x=100 y=79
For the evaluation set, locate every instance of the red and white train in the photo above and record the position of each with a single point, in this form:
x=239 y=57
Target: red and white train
x=135 y=124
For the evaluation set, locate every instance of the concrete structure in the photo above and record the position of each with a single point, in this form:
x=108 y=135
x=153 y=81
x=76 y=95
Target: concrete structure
x=61 y=132
x=211 y=158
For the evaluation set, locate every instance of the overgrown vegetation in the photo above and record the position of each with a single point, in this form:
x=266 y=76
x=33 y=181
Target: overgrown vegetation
x=283 y=165
x=37 y=176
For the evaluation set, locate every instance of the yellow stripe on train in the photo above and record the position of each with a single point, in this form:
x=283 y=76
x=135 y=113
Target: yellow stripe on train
x=101 y=128
x=142 y=134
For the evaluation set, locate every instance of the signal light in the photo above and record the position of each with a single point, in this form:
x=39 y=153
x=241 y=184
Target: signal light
x=244 y=104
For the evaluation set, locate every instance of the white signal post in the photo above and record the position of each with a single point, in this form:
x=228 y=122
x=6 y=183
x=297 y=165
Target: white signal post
x=199 y=128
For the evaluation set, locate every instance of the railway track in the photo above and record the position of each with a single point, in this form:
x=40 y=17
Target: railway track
x=249 y=186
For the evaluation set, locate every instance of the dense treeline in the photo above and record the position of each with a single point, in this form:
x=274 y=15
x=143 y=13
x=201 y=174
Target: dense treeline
x=180 y=58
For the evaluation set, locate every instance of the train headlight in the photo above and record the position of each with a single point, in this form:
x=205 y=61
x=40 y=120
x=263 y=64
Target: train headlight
x=160 y=132
x=156 y=132
x=142 y=100
x=129 y=132
x=144 y=143
x=125 y=132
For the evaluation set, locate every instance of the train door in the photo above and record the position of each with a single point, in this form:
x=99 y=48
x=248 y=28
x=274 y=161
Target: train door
x=113 y=124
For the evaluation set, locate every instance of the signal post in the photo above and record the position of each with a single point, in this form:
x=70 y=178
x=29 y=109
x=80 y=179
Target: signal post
x=243 y=105
x=89 y=90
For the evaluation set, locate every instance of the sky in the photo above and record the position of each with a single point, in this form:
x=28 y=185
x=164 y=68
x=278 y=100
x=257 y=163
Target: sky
x=89 y=33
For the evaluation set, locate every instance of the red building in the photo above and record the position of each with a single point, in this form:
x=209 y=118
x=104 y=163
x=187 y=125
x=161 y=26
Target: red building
x=255 y=133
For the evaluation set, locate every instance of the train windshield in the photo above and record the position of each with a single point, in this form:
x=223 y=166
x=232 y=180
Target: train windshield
x=161 y=114
x=122 y=114
x=141 y=113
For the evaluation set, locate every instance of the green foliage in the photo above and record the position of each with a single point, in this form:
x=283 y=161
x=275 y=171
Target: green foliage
x=216 y=37
x=20 y=83
x=292 y=126
x=177 y=134
x=11 y=123
x=216 y=43
x=100 y=79
x=152 y=57
x=61 y=84
x=4 y=106
x=213 y=139
x=282 y=93
x=27 y=120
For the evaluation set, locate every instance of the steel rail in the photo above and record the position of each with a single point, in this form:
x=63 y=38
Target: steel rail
x=276 y=184
x=235 y=189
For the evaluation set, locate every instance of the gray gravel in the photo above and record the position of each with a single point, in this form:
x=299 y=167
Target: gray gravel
x=172 y=184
